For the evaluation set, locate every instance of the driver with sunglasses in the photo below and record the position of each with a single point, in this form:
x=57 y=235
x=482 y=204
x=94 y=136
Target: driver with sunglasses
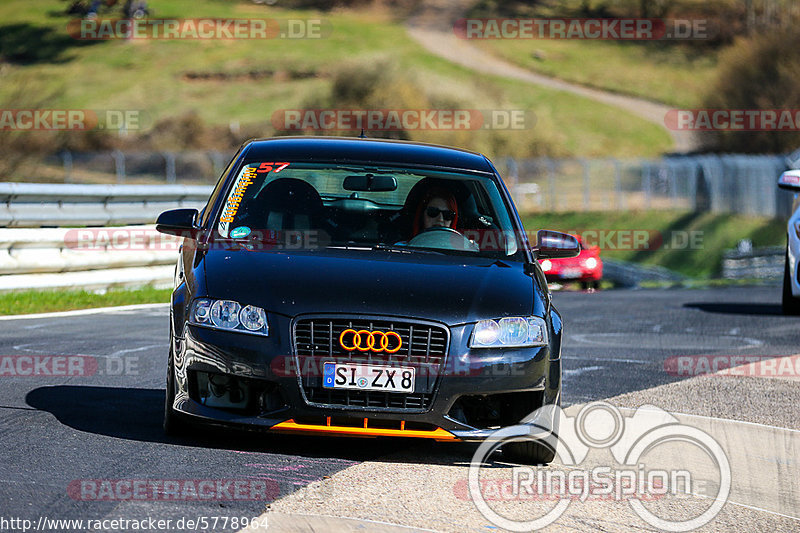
x=437 y=208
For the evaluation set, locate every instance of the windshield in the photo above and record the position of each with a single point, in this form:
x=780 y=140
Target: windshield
x=305 y=205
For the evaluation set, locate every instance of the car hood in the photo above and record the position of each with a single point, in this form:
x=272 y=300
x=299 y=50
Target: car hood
x=449 y=289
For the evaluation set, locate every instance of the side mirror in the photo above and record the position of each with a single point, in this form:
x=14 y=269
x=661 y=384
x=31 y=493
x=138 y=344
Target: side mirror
x=178 y=222
x=554 y=245
x=790 y=180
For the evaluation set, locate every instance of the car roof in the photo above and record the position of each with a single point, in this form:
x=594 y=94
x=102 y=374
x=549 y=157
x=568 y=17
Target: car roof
x=363 y=150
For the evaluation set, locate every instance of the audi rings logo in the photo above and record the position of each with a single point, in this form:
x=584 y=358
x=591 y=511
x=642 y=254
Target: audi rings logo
x=364 y=341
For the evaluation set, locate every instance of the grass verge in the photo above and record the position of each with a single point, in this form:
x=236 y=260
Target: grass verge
x=240 y=84
x=26 y=302
x=689 y=243
x=673 y=75
x=673 y=71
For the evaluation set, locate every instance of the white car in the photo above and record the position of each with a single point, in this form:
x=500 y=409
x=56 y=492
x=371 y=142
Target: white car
x=790 y=302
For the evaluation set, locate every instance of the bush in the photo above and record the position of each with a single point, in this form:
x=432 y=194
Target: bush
x=757 y=73
x=186 y=132
x=384 y=84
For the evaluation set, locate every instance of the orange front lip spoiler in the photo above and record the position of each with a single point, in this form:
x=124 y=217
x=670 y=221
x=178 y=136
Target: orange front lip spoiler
x=290 y=426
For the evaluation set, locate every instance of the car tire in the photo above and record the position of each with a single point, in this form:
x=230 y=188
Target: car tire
x=596 y=284
x=789 y=304
x=529 y=452
x=174 y=424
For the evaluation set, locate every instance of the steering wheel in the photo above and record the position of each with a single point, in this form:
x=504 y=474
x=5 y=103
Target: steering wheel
x=443 y=237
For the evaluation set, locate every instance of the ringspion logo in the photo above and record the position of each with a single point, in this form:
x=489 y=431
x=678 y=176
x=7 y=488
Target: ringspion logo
x=650 y=456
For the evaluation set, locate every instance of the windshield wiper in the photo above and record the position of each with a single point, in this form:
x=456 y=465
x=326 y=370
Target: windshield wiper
x=407 y=249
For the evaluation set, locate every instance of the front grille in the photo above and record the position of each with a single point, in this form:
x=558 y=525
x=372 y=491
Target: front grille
x=424 y=347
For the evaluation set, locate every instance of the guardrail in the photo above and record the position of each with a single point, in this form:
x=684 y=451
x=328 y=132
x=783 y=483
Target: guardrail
x=35 y=256
x=765 y=263
x=631 y=275
x=92 y=258
x=30 y=205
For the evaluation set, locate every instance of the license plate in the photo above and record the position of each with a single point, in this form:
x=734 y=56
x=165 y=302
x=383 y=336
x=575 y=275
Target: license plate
x=571 y=273
x=368 y=377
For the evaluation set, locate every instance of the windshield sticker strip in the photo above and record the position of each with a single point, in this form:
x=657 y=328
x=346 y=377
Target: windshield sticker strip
x=232 y=206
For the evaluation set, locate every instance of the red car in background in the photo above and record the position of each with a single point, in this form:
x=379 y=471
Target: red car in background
x=586 y=268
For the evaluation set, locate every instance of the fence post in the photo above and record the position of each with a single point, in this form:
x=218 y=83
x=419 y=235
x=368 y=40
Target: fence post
x=119 y=164
x=646 y=183
x=218 y=161
x=512 y=173
x=169 y=166
x=618 y=183
x=66 y=157
x=586 y=179
x=673 y=185
x=551 y=183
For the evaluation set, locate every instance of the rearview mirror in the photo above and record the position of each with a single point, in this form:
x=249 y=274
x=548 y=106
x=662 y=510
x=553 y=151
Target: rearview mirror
x=790 y=180
x=370 y=182
x=555 y=245
x=178 y=222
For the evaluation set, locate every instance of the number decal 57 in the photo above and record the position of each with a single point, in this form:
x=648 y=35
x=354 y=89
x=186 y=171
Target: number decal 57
x=276 y=167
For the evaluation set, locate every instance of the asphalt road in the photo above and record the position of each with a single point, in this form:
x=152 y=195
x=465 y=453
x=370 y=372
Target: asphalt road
x=57 y=431
x=618 y=341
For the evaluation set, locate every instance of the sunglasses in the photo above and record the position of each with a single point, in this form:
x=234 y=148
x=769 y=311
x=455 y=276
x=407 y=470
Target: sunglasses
x=447 y=214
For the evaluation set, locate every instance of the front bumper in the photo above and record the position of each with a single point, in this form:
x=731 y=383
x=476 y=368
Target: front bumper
x=472 y=383
x=792 y=253
x=584 y=275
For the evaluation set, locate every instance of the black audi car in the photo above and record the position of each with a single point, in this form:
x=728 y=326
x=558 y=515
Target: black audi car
x=361 y=287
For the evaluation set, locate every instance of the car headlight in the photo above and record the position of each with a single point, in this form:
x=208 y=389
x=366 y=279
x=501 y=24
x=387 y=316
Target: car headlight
x=509 y=332
x=590 y=263
x=253 y=318
x=228 y=315
x=546 y=265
